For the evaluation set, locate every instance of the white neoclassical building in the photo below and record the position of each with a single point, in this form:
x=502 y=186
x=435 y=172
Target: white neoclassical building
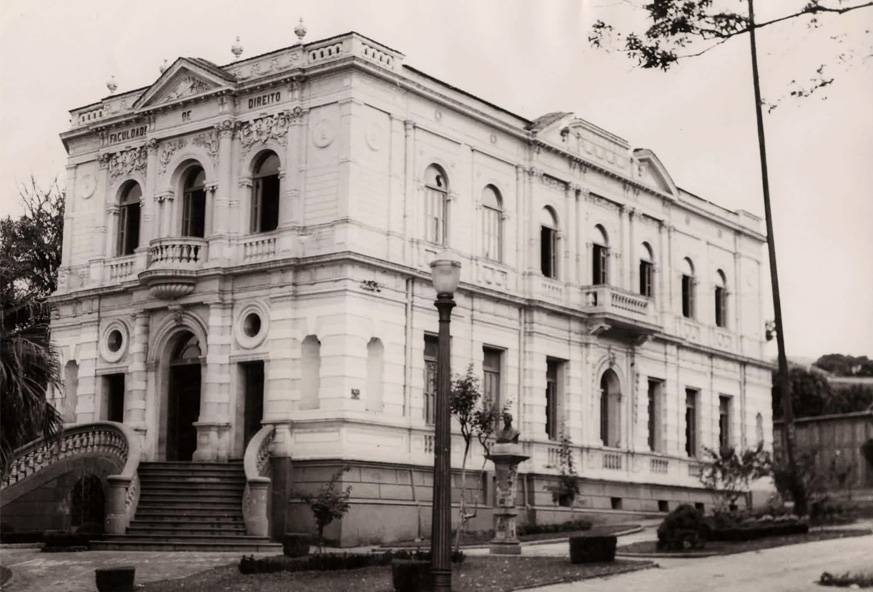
x=249 y=245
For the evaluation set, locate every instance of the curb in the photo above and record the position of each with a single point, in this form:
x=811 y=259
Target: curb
x=618 y=572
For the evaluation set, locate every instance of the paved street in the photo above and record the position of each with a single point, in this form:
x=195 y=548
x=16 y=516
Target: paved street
x=783 y=569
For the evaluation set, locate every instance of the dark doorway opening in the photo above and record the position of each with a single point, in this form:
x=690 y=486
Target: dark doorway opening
x=183 y=407
x=113 y=388
x=253 y=385
x=87 y=504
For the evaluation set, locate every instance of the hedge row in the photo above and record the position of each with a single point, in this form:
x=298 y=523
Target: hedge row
x=573 y=525
x=758 y=531
x=333 y=561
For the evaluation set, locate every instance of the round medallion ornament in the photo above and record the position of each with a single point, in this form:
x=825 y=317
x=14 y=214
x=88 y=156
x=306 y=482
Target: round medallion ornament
x=373 y=137
x=113 y=344
x=252 y=325
x=87 y=185
x=323 y=133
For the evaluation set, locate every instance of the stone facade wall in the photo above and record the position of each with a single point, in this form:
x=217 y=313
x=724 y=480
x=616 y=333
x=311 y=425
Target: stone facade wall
x=348 y=266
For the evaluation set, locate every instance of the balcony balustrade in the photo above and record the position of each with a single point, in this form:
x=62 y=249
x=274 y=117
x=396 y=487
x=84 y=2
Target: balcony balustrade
x=173 y=264
x=625 y=311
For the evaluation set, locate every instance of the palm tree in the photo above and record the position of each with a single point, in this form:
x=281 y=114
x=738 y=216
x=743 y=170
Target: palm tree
x=29 y=367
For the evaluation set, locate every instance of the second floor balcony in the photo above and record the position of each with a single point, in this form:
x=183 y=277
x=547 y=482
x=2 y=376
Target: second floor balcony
x=620 y=310
x=173 y=264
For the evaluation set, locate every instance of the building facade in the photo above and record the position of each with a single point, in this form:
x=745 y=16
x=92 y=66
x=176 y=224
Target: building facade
x=249 y=245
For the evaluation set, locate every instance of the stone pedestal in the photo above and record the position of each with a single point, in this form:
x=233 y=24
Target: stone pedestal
x=506 y=457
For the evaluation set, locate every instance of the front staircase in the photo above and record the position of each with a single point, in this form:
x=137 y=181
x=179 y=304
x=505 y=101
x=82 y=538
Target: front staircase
x=189 y=506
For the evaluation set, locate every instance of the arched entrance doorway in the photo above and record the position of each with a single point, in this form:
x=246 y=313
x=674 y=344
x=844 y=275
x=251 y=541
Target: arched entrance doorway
x=610 y=409
x=183 y=401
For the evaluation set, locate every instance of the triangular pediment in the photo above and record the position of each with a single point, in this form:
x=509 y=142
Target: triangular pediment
x=649 y=171
x=186 y=78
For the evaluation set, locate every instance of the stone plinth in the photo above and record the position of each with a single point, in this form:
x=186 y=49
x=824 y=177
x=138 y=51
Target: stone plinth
x=506 y=456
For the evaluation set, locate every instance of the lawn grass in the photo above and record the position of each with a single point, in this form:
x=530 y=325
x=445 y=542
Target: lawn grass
x=479 y=573
x=731 y=547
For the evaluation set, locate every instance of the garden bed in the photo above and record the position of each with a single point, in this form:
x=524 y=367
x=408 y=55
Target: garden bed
x=649 y=548
x=483 y=538
x=482 y=574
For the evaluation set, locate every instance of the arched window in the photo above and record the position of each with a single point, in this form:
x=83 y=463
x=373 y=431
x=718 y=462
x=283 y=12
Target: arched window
x=265 y=194
x=71 y=391
x=688 y=288
x=492 y=227
x=600 y=256
x=194 y=203
x=610 y=410
x=647 y=271
x=720 y=299
x=128 y=219
x=548 y=243
x=436 y=197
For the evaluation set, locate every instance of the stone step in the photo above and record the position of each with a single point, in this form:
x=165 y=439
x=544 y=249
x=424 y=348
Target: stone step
x=189 y=521
x=224 y=530
x=175 y=537
x=156 y=481
x=151 y=496
x=187 y=510
x=231 y=546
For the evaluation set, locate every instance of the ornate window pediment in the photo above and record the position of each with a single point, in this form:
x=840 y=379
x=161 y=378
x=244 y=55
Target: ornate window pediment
x=185 y=79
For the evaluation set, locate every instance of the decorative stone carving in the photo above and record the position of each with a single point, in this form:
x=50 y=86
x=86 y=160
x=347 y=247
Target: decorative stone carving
x=209 y=142
x=323 y=133
x=263 y=129
x=188 y=86
x=125 y=162
x=167 y=150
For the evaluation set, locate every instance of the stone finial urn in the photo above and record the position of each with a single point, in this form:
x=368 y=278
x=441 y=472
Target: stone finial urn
x=506 y=455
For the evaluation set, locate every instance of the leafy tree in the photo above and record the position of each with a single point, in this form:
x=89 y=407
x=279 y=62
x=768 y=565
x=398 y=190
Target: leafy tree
x=331 y=503
x=843 y=365
x=810 y=393
x=30 y=253
x=564 y=492
x=682 y=29
x=477 y=416
x=30 y=247
x=729 y=473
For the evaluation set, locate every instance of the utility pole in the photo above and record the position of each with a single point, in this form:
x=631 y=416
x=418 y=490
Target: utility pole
x=795 y=481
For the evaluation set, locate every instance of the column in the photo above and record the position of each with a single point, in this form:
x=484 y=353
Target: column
x=221 y=193
x=149 y=224
x=409 y=201
x=135 y=401
x=213 y=426
x=632 y=261
x=290 y=206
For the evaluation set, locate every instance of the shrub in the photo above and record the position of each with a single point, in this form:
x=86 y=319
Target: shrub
x=847 y=580
x=295 y=545
x=411 y=575
x=751 y=531
x=570 y=526
x=330 y=504
x=683 y=528
x=592 y=549
x=333 y=561
x=56 y=540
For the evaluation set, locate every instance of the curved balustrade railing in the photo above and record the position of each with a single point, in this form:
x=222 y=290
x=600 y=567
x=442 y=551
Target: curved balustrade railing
x=257 y=467
x=114 y=441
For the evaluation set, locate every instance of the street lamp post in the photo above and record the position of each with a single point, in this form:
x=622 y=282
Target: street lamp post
x=445 y=273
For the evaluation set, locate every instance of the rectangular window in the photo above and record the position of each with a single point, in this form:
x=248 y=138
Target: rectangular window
x=253 y=388
x=600 y=265
x=691 y=422
x=194 y=213
x=548 y=251
x=113 y=393
x=719 y=306
x=646 y=276
x=553 y=398
x=431 y=356
x=492 y=241
x=265 y=204
x=435 y=216
x=687 y=297
x=491 y=363
x=128 y=229
x=654 y=394
x=724 y=421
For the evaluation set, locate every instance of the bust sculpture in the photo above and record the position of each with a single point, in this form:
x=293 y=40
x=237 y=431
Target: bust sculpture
x=508 y=434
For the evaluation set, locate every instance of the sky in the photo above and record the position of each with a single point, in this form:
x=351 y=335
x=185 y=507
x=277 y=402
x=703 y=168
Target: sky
x=530 y=57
